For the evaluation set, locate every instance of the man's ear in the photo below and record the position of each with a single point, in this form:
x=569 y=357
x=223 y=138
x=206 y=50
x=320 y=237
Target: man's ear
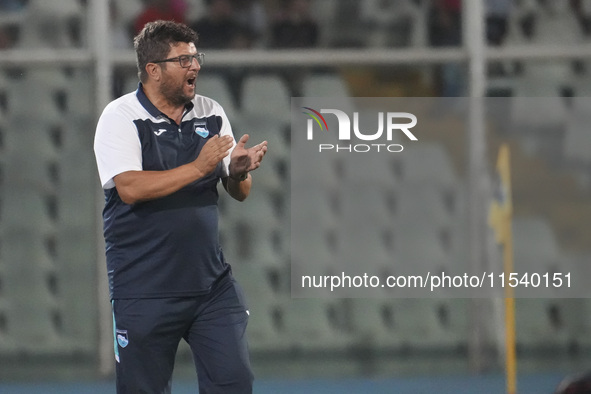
x=153 y=70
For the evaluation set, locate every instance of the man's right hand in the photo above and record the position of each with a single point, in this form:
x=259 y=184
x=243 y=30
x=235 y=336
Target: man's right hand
x=214 y=150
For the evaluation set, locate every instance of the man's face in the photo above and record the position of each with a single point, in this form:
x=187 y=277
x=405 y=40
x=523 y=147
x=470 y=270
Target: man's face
x=178 y=83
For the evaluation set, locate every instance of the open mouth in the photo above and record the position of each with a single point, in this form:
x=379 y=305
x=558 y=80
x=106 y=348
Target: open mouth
x=191 y=82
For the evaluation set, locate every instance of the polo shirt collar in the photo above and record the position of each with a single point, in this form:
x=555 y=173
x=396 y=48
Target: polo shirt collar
x=151 y=108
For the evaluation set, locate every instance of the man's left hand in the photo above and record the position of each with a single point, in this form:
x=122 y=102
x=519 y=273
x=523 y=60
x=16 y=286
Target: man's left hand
x=243 y=160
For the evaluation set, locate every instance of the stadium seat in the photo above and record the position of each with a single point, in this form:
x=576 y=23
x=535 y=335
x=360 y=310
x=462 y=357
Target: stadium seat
x=260 y=128
x=556 y=24
x=264 y=332
x=130 y=83
x=370 y=205
x=427 y=209
x=80 y=101
x=269 y=177
x=26 y=208
x=313 y=230
x=578 y=310
x=535 y=245
x=427 y=163
x=536 y=248
x=541 y=322
x=391 y=23
x=31 y=176
x=4 y=88
x=581 y=82
x=257 y=280
x=264 y=326
x=270 y=90
x=45 y=86
x=216 y=87
x=313 y=326
x=419 y=31
x=536 y=251
x=538 y=121
x=432 y=325
x=326 y=85
x=30 y=286
x=421 y=251
x=35 y=173
x=314 y=171
x=33 y=324
x=48 y=26
x=128 y=11
x=77 y=135
x=365 y=232
x=22 y=259
x=544 y=79
x=76 y=192
x=577 y=139
x=343 y=33
x=252 y=231
x=541 y=325
x=272 y=176
x=515 y=33
x=195 y=9
x=7 y=346
x=372 y=170
x=32 y=134
x=425 y=204
x=373 y=321
x=326 y=11
x=75 y=266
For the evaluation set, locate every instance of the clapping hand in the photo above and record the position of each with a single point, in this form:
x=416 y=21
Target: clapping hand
x=243 y=160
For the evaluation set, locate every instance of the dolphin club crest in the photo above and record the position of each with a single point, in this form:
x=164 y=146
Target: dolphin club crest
x=201 y=129
x=122 y=338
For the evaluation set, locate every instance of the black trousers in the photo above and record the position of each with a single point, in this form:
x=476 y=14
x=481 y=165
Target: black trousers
x=148 y=331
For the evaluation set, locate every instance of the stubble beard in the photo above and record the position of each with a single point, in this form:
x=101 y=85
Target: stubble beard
x=175 y=93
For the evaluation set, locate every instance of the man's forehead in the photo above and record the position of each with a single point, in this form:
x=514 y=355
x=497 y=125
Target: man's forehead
x=182 y=48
